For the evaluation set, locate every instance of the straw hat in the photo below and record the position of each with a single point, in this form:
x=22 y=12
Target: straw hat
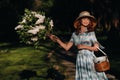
x=85 y=14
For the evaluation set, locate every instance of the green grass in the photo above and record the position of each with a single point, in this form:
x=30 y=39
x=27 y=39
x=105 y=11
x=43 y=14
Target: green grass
x=16 y=59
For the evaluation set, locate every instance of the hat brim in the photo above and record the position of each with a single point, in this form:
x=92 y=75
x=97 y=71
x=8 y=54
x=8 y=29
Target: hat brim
x=92 y=18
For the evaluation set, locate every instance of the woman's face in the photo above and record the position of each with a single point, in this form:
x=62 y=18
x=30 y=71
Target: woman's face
x=85 y=21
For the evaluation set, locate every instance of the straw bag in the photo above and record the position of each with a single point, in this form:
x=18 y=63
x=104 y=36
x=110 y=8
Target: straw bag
x=101 y=63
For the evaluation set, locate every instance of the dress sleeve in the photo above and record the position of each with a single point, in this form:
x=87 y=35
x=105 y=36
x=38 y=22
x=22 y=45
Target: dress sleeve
x=71 y=39
x=93 y=37
x=94 y=40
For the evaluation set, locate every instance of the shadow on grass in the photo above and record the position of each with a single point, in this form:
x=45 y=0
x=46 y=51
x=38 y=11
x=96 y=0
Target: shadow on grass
x=67 y=55
x=51 y=74
x=27 y=74
x=54 y=74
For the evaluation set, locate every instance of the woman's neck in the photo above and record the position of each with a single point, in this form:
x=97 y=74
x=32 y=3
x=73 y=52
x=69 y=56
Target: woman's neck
x=83 y=29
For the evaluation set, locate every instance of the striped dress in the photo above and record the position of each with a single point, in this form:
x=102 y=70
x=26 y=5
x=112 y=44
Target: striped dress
x=85 y=60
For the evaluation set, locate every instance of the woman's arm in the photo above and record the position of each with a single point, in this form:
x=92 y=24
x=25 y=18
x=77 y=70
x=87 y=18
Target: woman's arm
x=66 y=46
x=92 y=48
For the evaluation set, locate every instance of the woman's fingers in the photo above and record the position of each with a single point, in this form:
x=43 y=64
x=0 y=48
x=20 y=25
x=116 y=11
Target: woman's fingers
x=53 y=38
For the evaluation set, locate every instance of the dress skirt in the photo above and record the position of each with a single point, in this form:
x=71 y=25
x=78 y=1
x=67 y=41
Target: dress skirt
x=85 y=67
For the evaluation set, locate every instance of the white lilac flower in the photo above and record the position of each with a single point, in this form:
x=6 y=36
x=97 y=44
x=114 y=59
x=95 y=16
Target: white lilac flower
x=38 y=15
x=33 y=12
x=24 y=21
x=19 y=27
x=36 y=29
x=34 y=38
x=40 y=18
x=33 y=31
x=42 y=27
x=51 y=23
x=28 y=42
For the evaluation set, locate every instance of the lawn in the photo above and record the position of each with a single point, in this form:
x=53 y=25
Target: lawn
x=21 y=62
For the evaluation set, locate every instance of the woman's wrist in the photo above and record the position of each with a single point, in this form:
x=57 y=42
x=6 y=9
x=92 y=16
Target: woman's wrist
x=57 y=39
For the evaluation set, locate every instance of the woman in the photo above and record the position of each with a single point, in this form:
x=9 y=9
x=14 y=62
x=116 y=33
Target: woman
x=85 y=40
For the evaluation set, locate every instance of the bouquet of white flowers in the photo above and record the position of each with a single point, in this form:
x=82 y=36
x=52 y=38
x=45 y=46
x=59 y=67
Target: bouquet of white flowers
x=34 y=27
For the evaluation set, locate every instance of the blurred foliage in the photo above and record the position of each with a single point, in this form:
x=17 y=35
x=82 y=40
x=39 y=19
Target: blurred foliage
x=106 y=12
x=63 y=13
x=44 y=5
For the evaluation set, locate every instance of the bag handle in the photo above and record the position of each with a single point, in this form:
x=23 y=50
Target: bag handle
x=101 y=51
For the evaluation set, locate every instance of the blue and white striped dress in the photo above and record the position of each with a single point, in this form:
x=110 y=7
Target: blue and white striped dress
x=85 y=60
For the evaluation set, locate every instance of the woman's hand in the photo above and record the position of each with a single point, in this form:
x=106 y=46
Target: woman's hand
x=95 y=46
x=53 y=37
